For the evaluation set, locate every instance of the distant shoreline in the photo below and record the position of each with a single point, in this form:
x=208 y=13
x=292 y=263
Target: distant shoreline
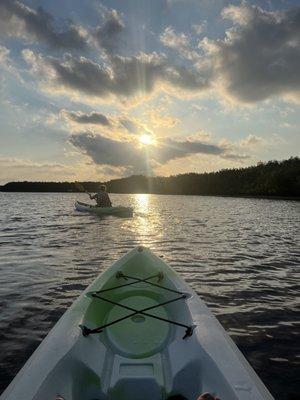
x=276 y=180
x=289 y=198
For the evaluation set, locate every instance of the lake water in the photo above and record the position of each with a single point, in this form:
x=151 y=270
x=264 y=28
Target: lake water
x=241 y=255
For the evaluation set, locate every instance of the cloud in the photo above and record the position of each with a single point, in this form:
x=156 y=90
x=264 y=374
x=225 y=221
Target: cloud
x=24 y=169
x=25 y=163
x=7 y=65
x=174 y=40
x=17 y=19
x=160 y=119
x=115 y=124
x=179 y=42
x=130 y=125
x=108 y=35
x=235 y=157
x=4 y=57
x=172 y=149
x=17 y=169
x=38 y=66
x=201 y=136
x=141 y=159
x=287 y=125
x=93 y=117
x=104 y=151
x=251 y=141
x=199 y=28
x=260 y=56
x=125 y=76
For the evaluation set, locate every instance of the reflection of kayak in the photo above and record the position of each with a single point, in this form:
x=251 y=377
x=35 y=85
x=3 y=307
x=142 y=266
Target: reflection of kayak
x=144 y=335
x=118 y=210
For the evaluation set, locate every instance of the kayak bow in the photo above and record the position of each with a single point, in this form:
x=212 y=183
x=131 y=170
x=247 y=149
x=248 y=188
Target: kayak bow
x=137 y=332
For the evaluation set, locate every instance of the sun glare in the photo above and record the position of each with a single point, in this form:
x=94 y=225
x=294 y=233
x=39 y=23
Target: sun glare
x=146 y=139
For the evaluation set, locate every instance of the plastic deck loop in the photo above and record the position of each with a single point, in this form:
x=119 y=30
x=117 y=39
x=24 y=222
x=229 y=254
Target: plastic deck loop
x=87 y=331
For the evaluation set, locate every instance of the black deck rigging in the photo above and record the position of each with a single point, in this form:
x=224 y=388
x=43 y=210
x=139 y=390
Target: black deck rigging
x=119 y=275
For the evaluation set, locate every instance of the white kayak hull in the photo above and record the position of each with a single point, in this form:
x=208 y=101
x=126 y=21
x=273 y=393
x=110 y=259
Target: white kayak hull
x=141 y=357
x=119 y=211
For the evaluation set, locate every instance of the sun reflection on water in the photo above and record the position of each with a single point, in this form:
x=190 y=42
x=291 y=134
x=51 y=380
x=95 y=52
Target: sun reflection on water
x=142 y=202
x=146 y=218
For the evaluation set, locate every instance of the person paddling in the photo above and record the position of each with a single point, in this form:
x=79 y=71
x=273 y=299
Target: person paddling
x=101 y=197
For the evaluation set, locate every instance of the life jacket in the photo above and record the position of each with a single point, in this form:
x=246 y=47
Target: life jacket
x=103 y=199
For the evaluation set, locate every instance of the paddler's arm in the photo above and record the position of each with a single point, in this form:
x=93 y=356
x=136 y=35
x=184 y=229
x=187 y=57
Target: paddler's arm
x=92 y=197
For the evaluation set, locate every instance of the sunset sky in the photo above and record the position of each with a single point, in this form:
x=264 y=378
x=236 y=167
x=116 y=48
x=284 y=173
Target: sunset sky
x=94 y=90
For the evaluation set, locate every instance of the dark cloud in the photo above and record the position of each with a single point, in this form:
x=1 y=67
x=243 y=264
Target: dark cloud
x=97 y=118
x=82 y=74
x=261 y=54
x=259 y=57
x=104 y=151
x=38 y=24
x=172 y=149
x=126 y=76
x=108 y=35
x=129 y=125
x=188 y=78
x=87 y=118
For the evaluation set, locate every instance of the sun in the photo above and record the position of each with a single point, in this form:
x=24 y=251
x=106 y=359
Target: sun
x=146 y=139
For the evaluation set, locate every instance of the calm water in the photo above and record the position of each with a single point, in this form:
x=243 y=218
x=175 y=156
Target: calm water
x=241 y=255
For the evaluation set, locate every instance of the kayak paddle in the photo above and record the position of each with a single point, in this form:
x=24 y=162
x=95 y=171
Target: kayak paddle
x=81 y=188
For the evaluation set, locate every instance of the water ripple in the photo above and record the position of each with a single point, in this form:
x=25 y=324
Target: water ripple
x=240 y=255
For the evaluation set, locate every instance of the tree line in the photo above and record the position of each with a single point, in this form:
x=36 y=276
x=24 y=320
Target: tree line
x=273 y=178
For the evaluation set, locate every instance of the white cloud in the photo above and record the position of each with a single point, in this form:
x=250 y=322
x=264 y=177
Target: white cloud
x=174 y=40
x=252 y=141
x=179 y=42
x=4 y=55
x=199 y=28
x=7 y=65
